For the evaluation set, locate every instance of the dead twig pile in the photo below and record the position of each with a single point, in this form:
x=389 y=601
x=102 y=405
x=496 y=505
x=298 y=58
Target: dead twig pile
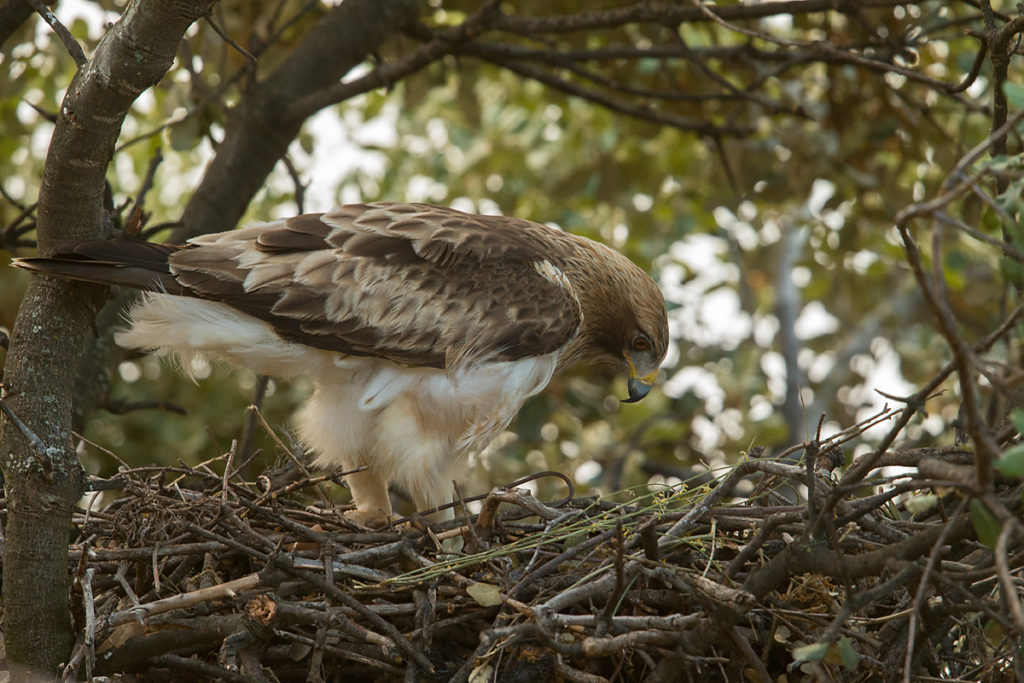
x=877 y=576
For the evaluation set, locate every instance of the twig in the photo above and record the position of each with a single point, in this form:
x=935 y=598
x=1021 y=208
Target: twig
x=225 y=591
x=962 y=356
x=285 y=563
x=922 y=589
x=72 y=46
x=227 y=470
x=90 y=622
x=391 y=72
x=227 y=39
x=136 y=217
x=300 y=187
x=603 y=647
x=248 y=427
x=1010 y=594
x=612 y=604
x=253 y=409
x=198 y=667
x=120 y=578
x=125 y=407
x=724 y=487
x=156 y=568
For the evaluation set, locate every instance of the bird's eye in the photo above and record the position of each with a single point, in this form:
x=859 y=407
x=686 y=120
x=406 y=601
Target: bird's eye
x=641 y=344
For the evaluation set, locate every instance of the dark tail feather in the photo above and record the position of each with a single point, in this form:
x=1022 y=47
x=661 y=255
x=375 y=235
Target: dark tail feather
x=126 y=263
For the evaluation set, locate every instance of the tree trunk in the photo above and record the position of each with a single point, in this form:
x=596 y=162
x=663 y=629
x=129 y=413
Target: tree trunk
x=44 y=346
x=44 y=483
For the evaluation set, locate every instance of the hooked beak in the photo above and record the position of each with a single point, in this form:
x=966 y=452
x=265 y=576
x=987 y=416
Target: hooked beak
x=638 y=388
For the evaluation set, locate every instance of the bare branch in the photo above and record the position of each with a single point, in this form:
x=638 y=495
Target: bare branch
x=72 y=46
x=665 y=13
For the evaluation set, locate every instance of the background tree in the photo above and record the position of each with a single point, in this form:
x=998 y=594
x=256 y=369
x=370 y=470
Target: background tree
x=756 y=156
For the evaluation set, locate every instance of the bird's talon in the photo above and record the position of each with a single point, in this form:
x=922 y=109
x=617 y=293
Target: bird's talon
x=369 y=519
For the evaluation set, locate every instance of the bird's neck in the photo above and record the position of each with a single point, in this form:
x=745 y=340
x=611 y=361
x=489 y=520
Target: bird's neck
x=601 y=304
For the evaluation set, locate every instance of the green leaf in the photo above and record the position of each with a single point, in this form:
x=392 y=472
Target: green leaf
x=922 y=503
x=848 y=655
x=1017 y=418
x=1010 y=200
x=810 y=653
x=1011 y=462
x=1001 y=162
x=1012 y=270
x=985 y=524
x=1014 y=94
x=486 y=594
x=990 y=221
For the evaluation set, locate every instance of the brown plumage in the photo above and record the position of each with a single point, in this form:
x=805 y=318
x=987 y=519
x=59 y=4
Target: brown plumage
x=423 y=328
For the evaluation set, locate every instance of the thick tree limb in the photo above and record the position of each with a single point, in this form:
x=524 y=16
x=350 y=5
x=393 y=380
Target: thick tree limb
x=265 y=120
x=13 y=13
x=666 y=13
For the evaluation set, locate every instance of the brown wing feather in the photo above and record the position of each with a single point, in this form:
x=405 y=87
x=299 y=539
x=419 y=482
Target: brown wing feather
x=412 y=283
x=302 y=233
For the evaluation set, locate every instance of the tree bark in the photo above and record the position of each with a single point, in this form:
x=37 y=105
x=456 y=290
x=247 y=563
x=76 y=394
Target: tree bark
x=263 y=123
x=43 y=487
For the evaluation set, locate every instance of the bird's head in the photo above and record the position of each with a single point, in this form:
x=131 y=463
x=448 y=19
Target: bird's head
x=643 y=336
x=641 y=341
x=625 y=323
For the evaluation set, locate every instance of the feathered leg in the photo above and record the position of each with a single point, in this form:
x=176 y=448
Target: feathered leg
x=342 y=435
x=419 y=461
x=370 y=494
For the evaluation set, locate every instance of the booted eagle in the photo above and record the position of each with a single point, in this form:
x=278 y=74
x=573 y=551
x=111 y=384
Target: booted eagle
x=424 y=329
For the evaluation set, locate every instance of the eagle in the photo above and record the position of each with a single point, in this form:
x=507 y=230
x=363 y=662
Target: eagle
x=423 y=329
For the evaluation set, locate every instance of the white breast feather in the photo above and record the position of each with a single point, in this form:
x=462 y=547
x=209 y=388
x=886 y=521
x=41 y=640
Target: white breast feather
x=415 y=426
x=412 y=426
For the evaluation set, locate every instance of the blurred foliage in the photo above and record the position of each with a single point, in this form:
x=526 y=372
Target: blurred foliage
x=821 y=179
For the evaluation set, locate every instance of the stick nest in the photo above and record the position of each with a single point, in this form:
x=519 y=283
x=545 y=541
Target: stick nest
x=189 y=574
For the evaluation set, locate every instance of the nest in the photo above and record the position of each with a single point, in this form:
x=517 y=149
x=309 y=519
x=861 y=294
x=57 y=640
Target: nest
x=194 y=574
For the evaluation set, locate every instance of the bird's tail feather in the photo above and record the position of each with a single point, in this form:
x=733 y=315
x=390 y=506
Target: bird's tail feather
x=126 y=263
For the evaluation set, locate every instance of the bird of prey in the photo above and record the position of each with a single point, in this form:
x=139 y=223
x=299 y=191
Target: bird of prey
x=423 y=329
